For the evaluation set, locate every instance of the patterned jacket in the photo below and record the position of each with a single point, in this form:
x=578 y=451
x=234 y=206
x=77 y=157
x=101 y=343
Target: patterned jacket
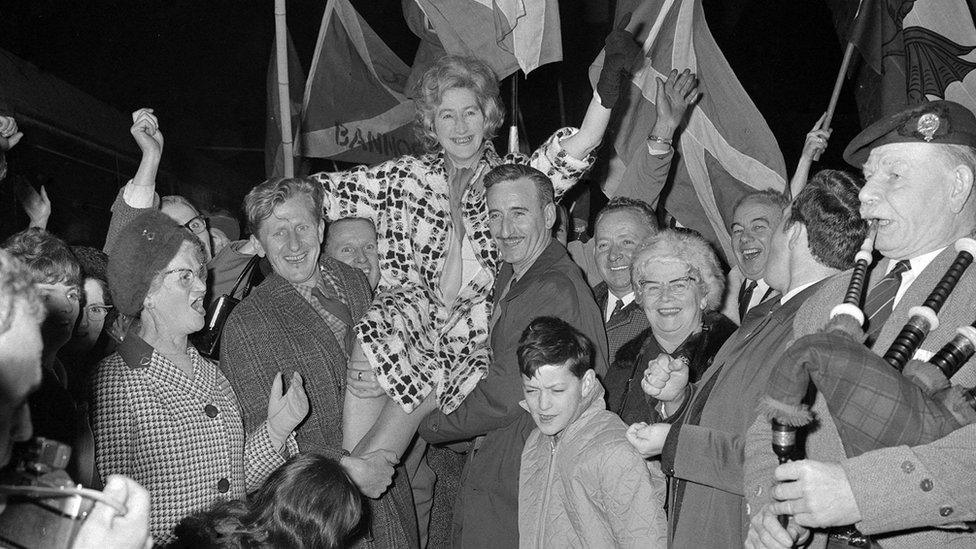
x=413 y=339
x=180 y=438
x=274 y=329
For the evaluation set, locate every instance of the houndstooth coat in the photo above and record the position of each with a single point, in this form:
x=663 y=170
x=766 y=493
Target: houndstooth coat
x=413 y=339
x=182 y=439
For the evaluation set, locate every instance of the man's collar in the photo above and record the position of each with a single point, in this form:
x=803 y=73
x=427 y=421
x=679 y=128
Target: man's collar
x=793 y=293
x=544 y=253
x=918 y=263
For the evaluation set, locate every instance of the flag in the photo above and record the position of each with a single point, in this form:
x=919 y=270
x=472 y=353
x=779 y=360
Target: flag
x=274 y=165
x=725 y=150
x=912 y=51
x=355 y=109
x=507 y=34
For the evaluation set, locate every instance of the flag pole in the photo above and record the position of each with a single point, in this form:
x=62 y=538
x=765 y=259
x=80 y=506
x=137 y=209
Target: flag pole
x=513 y=140
x=857 y=30
x=284 y=99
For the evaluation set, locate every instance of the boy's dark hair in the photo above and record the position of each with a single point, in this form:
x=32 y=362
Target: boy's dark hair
x=549 y=341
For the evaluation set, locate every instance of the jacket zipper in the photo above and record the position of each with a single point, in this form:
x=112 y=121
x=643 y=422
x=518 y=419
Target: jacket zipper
x=545 y=497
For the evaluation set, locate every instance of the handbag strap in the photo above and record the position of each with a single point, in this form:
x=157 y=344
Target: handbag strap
x=248 y=273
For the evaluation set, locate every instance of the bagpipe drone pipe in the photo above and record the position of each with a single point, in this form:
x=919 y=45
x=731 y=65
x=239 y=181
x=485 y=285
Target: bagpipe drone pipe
x=878 y=402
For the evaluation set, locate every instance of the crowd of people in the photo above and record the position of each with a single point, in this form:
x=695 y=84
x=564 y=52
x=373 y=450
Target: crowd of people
x=412 y=358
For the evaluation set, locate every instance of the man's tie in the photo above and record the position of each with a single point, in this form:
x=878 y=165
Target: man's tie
x=745 y=296
x=881 y=299
x=617 y=313
x=339 y=310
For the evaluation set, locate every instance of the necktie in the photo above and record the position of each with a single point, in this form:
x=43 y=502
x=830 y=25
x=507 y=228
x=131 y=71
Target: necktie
x=881 y=299
x=339 y=310
x=618 y=311
x=745 y=296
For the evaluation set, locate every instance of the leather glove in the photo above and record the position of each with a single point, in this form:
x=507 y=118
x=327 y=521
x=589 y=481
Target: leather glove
x=286 y=411
x=621 y=54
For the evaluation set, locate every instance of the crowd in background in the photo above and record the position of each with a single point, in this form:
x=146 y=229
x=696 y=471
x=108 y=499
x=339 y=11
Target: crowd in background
x=408 y=355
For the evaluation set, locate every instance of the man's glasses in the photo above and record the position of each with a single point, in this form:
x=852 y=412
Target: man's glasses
x=677 y=287
x=196 y=225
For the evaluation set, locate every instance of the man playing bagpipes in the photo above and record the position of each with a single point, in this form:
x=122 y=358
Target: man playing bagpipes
x=919 y=166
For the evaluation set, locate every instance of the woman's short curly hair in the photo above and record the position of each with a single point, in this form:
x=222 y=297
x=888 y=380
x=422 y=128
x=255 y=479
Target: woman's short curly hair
x=689 y=248
x=17 y=287
x=46 y=256
x=452 y=72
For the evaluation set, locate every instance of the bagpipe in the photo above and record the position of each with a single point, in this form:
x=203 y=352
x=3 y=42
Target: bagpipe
x=877 y=402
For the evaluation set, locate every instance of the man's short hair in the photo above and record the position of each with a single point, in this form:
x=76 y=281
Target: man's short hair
x=956 y=155
x=549 y=341
x=17 y=287
x=829 y=208
x=641 y=208
x=335 y=223
x=512 y=172
x=46 y=256
x=260 y=203
x=776 y=199
x=175 y=199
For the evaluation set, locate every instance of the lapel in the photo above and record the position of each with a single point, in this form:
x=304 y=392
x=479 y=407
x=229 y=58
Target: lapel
x=550 y=256
x=601 y=292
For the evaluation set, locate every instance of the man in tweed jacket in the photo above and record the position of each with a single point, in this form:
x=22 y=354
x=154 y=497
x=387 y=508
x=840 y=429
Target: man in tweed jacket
x=919 y=165
x=298 y=320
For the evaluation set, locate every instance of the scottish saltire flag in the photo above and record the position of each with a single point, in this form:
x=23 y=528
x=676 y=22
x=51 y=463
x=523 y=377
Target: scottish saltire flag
x=355 y=109
x=726 y=149
x=274 y=162
x=913 y=51
x=507 y=34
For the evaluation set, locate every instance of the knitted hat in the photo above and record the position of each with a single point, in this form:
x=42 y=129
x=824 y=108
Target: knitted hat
x=144 y=247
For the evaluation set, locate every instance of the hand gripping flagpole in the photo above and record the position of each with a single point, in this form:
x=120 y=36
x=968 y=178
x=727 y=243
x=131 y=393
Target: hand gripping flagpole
x=284 y=98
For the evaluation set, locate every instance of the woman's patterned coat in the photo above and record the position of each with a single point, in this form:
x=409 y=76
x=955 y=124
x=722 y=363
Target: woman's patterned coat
x=413 y=339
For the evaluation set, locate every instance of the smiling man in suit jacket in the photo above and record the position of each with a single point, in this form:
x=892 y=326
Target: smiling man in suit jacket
x=919 y=166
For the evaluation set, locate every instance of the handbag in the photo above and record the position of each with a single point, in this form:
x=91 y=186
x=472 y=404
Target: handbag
x=207 y=340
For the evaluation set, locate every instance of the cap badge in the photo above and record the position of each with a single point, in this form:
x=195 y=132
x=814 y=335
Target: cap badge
x=928 y=124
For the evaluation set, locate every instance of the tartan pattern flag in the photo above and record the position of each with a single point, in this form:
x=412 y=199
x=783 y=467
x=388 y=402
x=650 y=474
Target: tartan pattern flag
x=725 y=150
x=274 y=164
x=355 y=107
x=913 y=52
x=507 y=34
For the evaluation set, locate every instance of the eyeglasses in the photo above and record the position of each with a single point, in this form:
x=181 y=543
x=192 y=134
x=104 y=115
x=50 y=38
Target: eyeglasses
x=196 y=225
x=677 y=287
x=187 y=276
x=47 y=292
x=98 y=311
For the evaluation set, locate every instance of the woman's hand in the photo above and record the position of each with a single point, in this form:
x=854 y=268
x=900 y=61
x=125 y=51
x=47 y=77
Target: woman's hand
x=286 y=411
x=621 y=54
x=672 y=99
x=665 y=378
x=648 y=439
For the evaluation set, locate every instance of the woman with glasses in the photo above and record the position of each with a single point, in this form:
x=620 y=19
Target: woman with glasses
x=679 y=284
x=164 y=415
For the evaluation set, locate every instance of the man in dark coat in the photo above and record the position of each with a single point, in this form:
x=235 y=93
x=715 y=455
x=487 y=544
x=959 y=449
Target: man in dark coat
x=300 y=319
x=538 y=278
x=701 y=444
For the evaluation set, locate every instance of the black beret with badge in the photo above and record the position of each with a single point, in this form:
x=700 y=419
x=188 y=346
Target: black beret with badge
x=937 y=122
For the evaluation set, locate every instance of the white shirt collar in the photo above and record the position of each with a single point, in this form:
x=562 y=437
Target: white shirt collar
x=612 y=303
x=792 y=293
x=919 y=264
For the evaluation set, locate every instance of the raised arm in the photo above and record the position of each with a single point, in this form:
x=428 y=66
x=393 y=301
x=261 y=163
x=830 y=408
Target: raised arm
x=813 y=147
x=361 y=191
x=10 y=135
x=139 y=194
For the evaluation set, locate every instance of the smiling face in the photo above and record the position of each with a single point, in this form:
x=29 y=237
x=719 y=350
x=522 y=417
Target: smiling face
x=519 y=223
x=177 y=302
x=353 y=242
x=618 y=234
x=554 y=396
x=909 y=191
x=752 y=225
x=62 y=302
x=671 y=297
x=459 y=125
x=291 y=238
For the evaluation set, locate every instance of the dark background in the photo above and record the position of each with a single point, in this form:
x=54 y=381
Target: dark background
x=203 y=67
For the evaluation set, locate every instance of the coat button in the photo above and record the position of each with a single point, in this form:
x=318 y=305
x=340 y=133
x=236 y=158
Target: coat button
x=925 y=485
x=907 y=466
x=945 y=511
x=223 y=485
x=210 y=410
